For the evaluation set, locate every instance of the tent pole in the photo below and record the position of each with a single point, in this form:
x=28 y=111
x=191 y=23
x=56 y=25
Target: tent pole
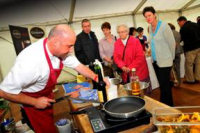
x=134 y=21
x=1 y=75
x=139 y=6
x=180 y=13
x=187 y=5
x=192 y=7
x=136 y=10
x=72 y=8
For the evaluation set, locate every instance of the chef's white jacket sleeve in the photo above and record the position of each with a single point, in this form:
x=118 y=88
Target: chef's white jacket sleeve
x=71 y=61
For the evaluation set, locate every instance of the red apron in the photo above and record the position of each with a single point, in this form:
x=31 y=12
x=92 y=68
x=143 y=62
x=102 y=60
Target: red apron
x=42 y=119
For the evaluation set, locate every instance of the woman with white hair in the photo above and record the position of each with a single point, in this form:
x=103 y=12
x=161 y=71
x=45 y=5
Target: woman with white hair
x=128 y=54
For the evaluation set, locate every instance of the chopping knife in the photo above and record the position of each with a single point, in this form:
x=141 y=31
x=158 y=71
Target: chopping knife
x=79 y=99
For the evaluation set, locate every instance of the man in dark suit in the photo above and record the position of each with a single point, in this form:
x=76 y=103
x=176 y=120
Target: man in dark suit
x=86 y=46
x=190 y=34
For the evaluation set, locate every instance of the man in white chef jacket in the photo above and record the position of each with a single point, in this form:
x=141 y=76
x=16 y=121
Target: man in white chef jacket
x=34 y=74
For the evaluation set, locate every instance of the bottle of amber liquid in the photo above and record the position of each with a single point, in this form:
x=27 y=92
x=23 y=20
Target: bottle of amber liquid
x=101 y=86
x=135 y=84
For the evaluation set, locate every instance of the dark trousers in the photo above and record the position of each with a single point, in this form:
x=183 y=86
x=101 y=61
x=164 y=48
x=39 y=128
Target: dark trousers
x=177 y=62
x=163 y=75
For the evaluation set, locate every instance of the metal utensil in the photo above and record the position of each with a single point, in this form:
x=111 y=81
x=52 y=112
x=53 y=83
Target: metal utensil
x=143 y=85
x=115 y=81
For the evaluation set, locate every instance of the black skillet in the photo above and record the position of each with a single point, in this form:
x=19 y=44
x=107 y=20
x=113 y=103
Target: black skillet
x=122 y=107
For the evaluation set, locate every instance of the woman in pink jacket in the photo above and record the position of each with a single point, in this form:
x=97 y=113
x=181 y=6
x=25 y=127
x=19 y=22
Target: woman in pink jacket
x=128 y=54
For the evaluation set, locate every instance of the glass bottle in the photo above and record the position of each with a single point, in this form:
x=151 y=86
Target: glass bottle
x=93 y=67
x=101 y=86
x=135 y=84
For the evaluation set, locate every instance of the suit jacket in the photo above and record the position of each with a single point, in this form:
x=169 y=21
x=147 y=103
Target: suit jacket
x=86 y=49
x=190 y=34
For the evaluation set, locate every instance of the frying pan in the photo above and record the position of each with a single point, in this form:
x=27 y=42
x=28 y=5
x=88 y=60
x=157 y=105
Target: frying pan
x=124 y=107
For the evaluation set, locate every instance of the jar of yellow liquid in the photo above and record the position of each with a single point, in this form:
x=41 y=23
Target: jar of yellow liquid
x=135 y=84
x=135 y=88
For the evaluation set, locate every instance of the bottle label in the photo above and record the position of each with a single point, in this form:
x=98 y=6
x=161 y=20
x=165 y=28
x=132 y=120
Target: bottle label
x=135 y=88
x=100 y=95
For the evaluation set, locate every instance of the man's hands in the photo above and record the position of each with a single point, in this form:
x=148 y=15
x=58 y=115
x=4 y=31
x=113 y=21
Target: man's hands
x=125 y=69
x=104 y=79
x=39 y=103
x=43 y=102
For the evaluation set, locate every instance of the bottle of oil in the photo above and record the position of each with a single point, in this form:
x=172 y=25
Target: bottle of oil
x=94 y=68
x=101 y=86
x=135 y=84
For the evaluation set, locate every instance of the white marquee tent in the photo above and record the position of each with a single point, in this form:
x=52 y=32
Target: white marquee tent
x=47 y=13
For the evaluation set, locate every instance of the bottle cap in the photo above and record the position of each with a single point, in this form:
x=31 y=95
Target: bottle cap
x=133 y=69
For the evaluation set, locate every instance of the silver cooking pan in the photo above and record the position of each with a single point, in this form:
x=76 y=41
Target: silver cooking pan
x=124 y=107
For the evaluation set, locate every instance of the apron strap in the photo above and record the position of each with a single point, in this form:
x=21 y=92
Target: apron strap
x=47 y=56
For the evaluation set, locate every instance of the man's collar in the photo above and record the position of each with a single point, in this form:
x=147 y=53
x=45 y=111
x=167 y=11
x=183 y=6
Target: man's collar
x=186 y=23
x=48 y=51
x=87 y=33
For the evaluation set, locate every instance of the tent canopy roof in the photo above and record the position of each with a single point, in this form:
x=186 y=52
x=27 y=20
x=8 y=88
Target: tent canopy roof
x=74 y=10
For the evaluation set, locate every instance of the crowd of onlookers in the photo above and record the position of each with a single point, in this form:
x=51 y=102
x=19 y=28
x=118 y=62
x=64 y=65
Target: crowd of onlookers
x=164 y=44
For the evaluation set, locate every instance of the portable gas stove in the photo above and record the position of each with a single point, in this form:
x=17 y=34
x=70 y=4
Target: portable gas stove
x=102 y=123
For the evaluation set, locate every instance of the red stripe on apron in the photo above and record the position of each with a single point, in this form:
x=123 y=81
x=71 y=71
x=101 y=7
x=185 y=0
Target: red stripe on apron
x=42 y=119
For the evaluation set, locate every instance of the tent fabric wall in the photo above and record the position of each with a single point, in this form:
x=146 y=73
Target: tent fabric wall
x=49 y=10
x=34 y=11
x=165 y=4
x=197 y=2
x=7 y=53
x=85 y=8
x=192 y=14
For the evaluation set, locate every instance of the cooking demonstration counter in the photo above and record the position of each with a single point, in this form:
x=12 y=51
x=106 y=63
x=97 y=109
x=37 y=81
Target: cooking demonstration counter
x=83 y=123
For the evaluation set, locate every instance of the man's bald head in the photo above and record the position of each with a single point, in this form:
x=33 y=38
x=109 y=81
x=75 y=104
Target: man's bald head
x=61 y=39
x=61 y=30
